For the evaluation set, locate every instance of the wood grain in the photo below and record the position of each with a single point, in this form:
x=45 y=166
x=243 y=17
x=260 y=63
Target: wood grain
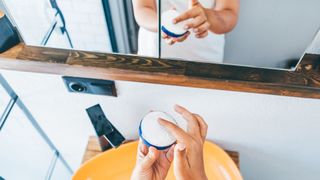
x=49 y=55
x=93 y=149
x=125 y=62
x=13 y=52
x=304 y=82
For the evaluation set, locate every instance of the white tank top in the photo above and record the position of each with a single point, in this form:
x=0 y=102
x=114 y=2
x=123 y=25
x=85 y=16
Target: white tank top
x=209 y=49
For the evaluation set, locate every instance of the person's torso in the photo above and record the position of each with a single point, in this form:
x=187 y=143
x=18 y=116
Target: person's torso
x=209 y=49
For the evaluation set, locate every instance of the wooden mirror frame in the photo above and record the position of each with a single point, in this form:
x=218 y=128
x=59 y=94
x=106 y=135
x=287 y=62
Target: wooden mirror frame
x=303 y=82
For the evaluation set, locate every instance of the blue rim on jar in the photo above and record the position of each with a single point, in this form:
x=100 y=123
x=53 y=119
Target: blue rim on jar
x=171 y=34
x=147 y=143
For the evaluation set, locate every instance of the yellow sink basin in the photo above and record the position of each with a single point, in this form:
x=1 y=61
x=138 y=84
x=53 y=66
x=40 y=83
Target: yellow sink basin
x=117 y=164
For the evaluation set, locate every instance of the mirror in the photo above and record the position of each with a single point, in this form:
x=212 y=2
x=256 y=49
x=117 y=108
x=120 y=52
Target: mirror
x=98 y=25
x=267 y=34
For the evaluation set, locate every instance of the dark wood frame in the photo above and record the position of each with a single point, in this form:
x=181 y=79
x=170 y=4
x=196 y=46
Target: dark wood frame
x=303 y=82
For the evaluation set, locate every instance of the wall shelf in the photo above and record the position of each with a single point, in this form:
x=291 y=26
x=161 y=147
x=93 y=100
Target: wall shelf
x=304 y=82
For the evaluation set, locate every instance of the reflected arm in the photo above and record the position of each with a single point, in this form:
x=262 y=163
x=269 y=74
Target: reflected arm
x=145 y=12
x=223 y=18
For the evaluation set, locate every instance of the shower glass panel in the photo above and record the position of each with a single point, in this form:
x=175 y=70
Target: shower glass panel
x=4 y=100
x=24 y=153
x=39 y=22
x=60 y=171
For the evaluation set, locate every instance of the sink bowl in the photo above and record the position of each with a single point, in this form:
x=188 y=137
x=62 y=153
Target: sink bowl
x=117 y=164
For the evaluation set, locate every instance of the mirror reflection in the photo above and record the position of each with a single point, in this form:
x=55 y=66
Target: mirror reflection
x=268 y=34
x=97 y=25
x=273 y=34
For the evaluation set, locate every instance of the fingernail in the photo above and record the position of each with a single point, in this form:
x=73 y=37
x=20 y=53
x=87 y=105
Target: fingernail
x=174 y=21
x=151 y=150
x=160 y=121
x=181 y=147
x=186 y=27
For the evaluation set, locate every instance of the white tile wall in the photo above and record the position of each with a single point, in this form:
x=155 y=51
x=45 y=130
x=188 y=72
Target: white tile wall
x=32 y=18
x=84 y=18
x=86 y=24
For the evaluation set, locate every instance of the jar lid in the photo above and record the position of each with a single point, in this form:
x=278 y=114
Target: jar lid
x=154 y=134
x=171 y=29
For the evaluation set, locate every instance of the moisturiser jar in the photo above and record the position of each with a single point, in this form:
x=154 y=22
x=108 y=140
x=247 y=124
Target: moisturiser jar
x=154 y=134
x=171 y=29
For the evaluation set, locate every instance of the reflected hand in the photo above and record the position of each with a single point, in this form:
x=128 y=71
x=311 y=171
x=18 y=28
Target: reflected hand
x=170 y=40
x=152 y=164
x=188 y=152
x=198 y=17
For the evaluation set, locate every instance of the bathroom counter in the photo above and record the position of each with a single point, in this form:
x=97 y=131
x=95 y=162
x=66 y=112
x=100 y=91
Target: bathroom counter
x=304 y=82
x=93 y=149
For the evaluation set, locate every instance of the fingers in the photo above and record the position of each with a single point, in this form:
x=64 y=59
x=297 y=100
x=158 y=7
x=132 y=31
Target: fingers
x=172 y=41
x=150 y=158
x=164 y=35
x=196 y=125
x=202 y=28
x=203 y=35
x=143 y=149
x=180 y=160
x=193 y=126
x=191 y=13
x=169 y=153
x=183 y=38
x=176 y=131
x=196 y=22
x=203 y=126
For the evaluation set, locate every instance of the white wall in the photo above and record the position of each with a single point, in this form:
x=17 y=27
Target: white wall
x=85 y=22
x=271 y=32
x=277 y=137
x=33 y=18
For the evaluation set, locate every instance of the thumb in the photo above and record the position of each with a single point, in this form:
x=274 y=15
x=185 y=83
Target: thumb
x=180 y=159
x=150 y=158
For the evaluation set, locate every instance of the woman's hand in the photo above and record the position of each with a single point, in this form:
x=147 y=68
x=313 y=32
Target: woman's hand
x=170 y=40
x=188 y=152
x=198 y=19
x=198 y=22
x=152 y=164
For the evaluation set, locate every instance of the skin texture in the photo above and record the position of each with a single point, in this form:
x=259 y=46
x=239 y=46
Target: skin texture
x=152 y=164
x=220 y=20
x=145 y=12
x=187 y=154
